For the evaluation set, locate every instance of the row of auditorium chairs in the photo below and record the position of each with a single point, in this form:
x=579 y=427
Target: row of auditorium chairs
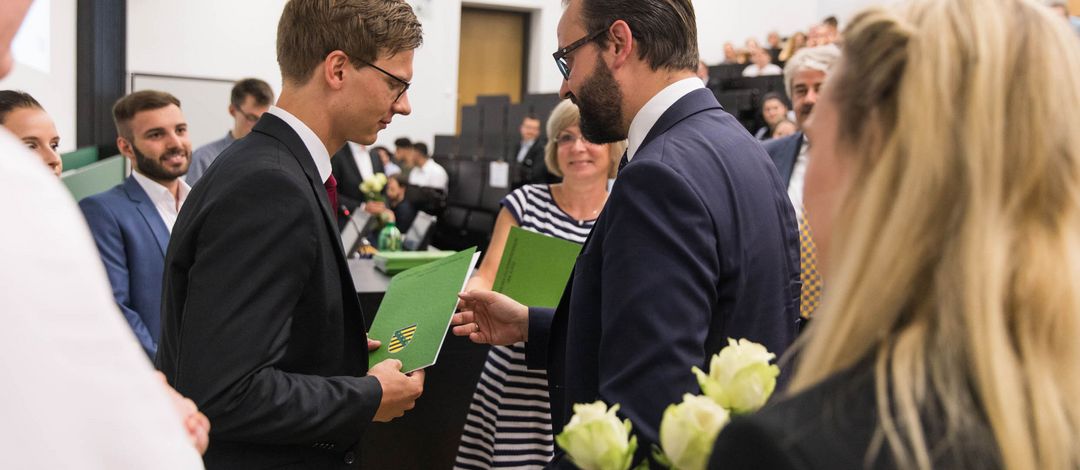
x=472 y=204
x=489 y=129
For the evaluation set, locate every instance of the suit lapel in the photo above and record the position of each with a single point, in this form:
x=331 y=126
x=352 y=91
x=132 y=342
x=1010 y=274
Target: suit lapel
x=274 y=127
x=149 y=212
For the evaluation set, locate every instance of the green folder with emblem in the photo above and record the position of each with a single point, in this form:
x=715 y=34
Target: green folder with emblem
x=534 y=268
x=415 y=313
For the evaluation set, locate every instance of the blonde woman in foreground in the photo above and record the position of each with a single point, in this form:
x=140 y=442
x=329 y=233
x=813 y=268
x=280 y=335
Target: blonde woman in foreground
x=944 y=195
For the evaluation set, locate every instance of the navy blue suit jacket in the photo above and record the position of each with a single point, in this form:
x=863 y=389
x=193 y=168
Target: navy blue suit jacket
x=697 y=243
x=784 y=151
x=132 y=239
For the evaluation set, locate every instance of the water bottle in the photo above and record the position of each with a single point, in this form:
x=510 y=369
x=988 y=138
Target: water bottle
x=390 y=238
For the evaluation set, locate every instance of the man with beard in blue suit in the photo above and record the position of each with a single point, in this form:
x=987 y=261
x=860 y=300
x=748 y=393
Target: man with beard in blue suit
x=697 y=242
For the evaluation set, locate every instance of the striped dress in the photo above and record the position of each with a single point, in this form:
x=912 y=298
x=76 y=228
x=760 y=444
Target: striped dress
x=509 y=421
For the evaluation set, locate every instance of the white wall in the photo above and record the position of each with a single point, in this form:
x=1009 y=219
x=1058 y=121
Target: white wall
x=242 y=43
x=55 y=89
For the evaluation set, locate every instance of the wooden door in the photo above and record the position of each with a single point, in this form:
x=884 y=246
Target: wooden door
x=492 y=56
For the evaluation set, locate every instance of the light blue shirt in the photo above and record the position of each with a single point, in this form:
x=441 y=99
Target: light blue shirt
x=204 y=156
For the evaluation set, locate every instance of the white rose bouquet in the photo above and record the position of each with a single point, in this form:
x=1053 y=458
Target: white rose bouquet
x=373 y=187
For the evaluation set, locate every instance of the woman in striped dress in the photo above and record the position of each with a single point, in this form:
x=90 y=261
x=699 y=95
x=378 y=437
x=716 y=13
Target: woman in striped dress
x=509 y=421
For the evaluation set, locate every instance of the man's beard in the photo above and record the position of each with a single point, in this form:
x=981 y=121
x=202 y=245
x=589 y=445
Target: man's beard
x=600 y=105
x=152 y=168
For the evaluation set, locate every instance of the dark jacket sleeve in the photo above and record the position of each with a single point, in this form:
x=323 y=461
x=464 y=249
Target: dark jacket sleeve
x=747 y=445
x=110 y=244
x=234 y=335
x=536 y=346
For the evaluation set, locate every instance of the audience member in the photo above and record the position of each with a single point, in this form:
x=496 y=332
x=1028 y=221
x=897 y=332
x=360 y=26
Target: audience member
x=426 y=172
x=774 y=110
x=132 y=221
x=668 y=272
x=528 y=164
x=402 y=210
x=262 y=325
x=250 y=98
x=803 y=77
x=762 y=64
x=831 y=30
x=817 y=36
x=774 y=47
x=351 y=165
x=24 y=117
x=794 y=43
x=942 y=193
x=784 y=129
x=387 y=160
x=78 y=392
x=402 y=147
x=703 y=72
x=567 y=211
x=731 y=56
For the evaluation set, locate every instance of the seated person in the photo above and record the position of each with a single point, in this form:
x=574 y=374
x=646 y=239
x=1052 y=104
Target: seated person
x=21 y=114
x=386 y=158
x=425 y=171
x=762 y=64
x=397 y=208
x=784 y=129
x=774 y=109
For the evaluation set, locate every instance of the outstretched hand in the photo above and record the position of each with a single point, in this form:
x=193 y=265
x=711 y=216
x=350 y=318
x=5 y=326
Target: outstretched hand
x=488 y=317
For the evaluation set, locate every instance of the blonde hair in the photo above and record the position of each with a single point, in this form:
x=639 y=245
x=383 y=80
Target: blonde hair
x=956 y=259
x=565 y=115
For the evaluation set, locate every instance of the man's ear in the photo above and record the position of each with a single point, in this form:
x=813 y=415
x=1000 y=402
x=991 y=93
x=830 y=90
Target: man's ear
x=620 y=43
x=334 y=68
x=124 y=146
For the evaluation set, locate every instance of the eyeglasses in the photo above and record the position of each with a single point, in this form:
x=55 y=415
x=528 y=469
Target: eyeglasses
x=250 y=117
x=560 y=55
x=405 y=85
x=566 y=140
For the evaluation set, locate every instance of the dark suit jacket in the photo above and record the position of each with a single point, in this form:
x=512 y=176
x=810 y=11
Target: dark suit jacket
x=784 y=151
x=131 y=239
x=532 y=169
x=831 y=426
x=348 y=178
x=262 y=325
x=697 y=243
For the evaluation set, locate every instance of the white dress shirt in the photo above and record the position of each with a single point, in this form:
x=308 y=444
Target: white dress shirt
x=167 y=206
x=798 y=177
x=430 y=175
x=650 y=113
x=314 y=144
x=78 y=390
x=362 y=159
x=526 y=145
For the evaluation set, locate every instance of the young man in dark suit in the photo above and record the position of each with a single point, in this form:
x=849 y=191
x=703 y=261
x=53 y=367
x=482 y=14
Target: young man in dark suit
x=131 y=222
x=697 y=242
x=262 y=325
x=528 y=164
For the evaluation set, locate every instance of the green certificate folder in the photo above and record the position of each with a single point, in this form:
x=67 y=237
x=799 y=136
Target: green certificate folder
x=415 y=313
x=534 y=268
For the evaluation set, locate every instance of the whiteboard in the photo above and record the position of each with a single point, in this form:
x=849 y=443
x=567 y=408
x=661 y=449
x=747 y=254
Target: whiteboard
x=204 y=101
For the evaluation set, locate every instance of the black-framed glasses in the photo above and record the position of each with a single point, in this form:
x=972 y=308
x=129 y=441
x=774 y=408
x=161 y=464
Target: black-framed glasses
x=560 y=55
x=405 y=85
x=249 y=117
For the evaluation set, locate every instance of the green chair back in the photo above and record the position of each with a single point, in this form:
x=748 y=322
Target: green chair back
x=79 y=158
x=95 y=177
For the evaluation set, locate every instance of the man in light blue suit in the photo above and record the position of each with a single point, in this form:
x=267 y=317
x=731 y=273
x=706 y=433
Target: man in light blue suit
x=131 y=222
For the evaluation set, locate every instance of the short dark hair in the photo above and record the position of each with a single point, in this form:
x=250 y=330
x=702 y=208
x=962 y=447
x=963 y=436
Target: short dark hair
x=10 y=100
x=831 y=21
x=401 y=179
x=127 y=107
x=532 y=116
x=665 y=31
x=420 y=148
x=402 y=143
x=772 y=95
x=257 y=89
x=309 y=30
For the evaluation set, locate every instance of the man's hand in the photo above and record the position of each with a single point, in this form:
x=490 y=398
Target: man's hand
x=373 y=344
x=399 y=391
x=195 y=423
x=488 y=317
x=374 y=207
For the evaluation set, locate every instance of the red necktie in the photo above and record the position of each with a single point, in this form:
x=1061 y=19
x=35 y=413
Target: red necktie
x=331 y=192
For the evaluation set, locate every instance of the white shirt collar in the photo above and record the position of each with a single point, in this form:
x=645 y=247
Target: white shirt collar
x=167 y=206
x=314 y=144
x=650 y=113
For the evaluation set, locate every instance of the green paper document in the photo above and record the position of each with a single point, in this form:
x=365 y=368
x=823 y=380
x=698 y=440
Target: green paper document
x=415 y=313
x=534 y=268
